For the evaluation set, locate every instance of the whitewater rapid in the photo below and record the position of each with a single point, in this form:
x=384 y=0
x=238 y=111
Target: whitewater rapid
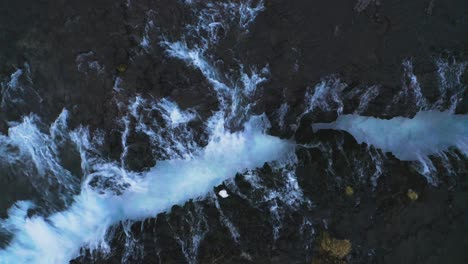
x=59 y=237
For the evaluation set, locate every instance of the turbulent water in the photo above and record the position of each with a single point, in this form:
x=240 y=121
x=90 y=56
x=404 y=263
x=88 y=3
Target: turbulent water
x=186 y=171
x=83 y=194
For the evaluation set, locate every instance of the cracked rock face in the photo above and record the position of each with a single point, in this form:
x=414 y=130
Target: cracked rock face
x=147 y=81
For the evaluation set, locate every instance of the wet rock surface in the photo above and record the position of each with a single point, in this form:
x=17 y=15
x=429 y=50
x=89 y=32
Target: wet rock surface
x=90 y=57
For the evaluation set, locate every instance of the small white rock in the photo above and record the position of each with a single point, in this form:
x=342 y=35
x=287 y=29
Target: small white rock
x=223 y=193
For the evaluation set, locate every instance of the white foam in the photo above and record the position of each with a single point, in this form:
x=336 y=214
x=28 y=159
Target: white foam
x=171 y=138
x=248 y=13
x=223 y=193
x=13 y=92
x=173 y=114
x=14 y=78
x=326 y=95
x=451 y=86
x=37 y=154
x=427 y=133
x=145 y=42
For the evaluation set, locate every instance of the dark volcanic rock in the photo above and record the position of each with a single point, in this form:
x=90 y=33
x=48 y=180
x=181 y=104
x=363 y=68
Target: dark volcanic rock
x=303 y=41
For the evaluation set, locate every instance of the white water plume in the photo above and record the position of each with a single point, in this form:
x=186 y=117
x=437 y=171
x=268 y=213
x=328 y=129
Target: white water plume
x=410 y=139
x=59 y=237
x=425 y=134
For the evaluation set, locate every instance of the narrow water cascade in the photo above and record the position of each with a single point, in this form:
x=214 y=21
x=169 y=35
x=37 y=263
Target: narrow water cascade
x=427 y=133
